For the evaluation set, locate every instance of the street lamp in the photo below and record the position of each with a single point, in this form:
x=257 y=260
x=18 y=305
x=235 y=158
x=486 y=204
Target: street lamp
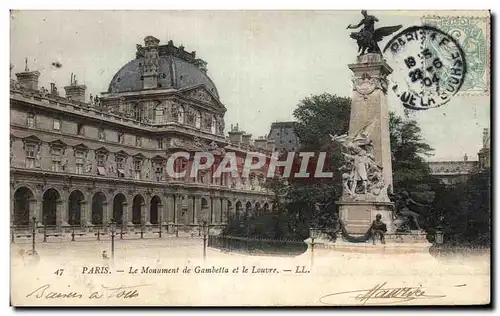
x=205 y=234
x=33 y=233
x=142 y=228
x=112 y=229
x=439 y=233
x=313 y=233
x=159 y=233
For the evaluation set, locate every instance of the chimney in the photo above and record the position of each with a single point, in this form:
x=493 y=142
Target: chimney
x=74 y=91
x=466 y=157
x=235 y=136
x=150 y=74
x=53 y=89
x=28 y=79
x=246 y=139
x=260 y=142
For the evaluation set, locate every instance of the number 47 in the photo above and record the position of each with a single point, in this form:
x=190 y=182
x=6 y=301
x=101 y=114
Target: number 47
x=59 y=272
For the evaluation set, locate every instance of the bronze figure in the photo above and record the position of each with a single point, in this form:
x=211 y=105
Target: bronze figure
x=368 y=37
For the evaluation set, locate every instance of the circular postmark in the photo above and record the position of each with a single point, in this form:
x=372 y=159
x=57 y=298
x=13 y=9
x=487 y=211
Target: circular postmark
x=430 y=66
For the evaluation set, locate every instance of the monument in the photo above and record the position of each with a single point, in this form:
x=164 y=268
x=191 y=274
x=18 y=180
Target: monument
x=367 y=173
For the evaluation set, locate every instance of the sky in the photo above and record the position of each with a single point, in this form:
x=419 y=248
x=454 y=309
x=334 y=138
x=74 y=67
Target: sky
x=262 y=62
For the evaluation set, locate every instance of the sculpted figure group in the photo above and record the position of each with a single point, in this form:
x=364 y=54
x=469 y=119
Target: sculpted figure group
x=361 y=174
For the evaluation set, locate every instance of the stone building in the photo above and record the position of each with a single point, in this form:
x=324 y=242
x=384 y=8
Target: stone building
x=452 y=172
x=284 y=137
x=78 y=162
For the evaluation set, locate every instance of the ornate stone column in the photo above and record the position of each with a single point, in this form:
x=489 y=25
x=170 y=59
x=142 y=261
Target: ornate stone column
x=84 y=214
x=107 y=213
x=197 y=210
x=39 y=210
x=146 y=212
x=62 y=213
x=33 y=209
x=217 y=209
x=224 y=210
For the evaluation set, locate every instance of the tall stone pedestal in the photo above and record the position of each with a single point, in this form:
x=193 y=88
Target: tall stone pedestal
x=369 y=120
x=357 y=216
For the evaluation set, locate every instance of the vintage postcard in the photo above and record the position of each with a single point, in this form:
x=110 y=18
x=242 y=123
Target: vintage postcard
x=250 y=158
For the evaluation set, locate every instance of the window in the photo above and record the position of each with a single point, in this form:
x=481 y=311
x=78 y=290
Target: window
x=137 y=169
x=57 y=124
x=101 y=159
x=180 y=115
x=120 y=166
x=79 y=129
x=138 y=141
x=79 y=161
x=101 y=134
x=120 y=137
x=138 y=112
x=30 y=155
x=197 y=122
x=158 y=170
x=290 y=141
x=56 y=159
x=159 y=118
x=160 y=143
x=31 y=120
x=120 y=162
x=213 y=127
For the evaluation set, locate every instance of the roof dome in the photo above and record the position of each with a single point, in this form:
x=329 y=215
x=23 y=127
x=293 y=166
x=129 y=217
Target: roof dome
x=177 y=69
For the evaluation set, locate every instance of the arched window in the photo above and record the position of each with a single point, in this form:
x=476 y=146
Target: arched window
x=180 y=115
x=197 y=119
x=213 y=127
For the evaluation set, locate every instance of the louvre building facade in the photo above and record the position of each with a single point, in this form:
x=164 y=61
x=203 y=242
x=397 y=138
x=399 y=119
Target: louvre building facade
x=78 y=162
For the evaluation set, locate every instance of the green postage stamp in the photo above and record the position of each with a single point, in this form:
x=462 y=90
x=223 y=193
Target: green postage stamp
x=473 y=34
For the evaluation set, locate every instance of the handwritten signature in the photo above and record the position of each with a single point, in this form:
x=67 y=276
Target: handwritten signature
x=125 y=292
x=380 y=295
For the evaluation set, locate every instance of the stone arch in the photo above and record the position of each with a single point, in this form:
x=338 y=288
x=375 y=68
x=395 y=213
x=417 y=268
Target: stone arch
x=119 y=201
x=248 y=209
x=154 y=210
x=51 y=199
x=257 y=208
x=23 y=202
x=75 y=200
x=137 y=204
x=266 y=207
x=238 y=209
x=99 y=202
x=33 y=189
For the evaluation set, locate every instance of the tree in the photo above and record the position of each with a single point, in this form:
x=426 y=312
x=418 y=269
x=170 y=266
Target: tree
x=410 y=171
x=465 y=211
